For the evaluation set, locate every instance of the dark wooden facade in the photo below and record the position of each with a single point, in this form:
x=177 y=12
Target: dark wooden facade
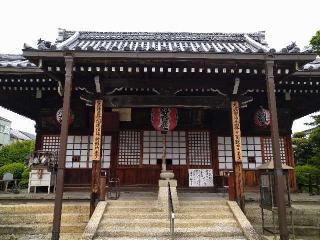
x=200 y=84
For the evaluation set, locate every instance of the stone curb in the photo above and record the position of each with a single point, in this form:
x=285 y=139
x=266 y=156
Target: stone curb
x=94 y=221
x=243 y=222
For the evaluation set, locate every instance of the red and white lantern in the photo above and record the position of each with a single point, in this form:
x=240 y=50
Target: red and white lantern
x=164 y=119
x=59 y=115
x=262 y=117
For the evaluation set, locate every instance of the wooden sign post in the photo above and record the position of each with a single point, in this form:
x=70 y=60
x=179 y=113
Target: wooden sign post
x=96 y=154
x=237 y=154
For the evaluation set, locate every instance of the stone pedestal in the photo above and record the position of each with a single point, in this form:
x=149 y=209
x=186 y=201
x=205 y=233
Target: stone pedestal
x=163 y=194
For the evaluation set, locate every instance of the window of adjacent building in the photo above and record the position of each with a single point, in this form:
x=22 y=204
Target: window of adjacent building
x=129 y=148
x=175 y=147
x=199 y=148
x=4 y=129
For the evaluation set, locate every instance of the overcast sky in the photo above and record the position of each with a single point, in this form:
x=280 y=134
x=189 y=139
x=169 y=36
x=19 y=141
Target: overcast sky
x=283 y=20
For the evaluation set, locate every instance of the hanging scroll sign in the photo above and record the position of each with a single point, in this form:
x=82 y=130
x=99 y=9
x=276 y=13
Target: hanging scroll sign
x=96 y=150
x=236 y=131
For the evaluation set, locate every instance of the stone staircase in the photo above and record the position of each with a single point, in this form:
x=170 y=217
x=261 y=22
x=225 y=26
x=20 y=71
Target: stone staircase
x=34 y=220
x=142 y=219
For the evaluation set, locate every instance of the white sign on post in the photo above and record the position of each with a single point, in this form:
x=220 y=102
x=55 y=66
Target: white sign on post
x=200 y=178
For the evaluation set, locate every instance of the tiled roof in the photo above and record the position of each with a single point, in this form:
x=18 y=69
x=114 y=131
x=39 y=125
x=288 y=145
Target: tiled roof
x=158 y=42
x=313 y=66
x=16 y=61
x=4 y=119
x=16 y=134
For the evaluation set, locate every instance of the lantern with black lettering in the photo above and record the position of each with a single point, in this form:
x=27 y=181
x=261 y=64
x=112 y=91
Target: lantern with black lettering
x=262 y=117
x=164 y=119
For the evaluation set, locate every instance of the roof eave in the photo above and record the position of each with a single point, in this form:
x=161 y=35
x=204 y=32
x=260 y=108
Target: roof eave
x=14 y=70
x=169 y=55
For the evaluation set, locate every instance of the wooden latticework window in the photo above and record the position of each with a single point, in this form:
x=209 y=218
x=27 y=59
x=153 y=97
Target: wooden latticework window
x=175 y=147
x=129 y=148
x=77 y=152
x=106 y=152
x=225 y=153
x=251 y=152
x=267 y=150
x=51 y=143
x=199 y=148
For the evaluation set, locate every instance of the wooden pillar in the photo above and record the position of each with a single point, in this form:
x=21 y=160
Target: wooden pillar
x=290 y=156
x=237 y=154
x=278 y=174
x=96 y=154
x=63 y=148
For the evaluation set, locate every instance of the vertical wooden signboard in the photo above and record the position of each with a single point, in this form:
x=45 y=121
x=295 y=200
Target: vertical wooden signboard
x=237 y=153
x=97 y=131
x=96 y=153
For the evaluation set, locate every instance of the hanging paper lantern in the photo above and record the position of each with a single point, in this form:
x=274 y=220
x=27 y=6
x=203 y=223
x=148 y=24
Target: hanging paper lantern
x=262 y=117
x=164 y=119
x=59 y=115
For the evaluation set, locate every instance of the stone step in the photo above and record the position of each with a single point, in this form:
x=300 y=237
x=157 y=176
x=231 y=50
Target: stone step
x=63 y=236
x=216 y=231
x=204 y=215
x=164 y=223
x=40 y=228
x=137 y=215
x=42 y=208
x=202 y=208
x=157 y=215
x=131 y=203
x=169 y=238
x=202 y=203
x=146 y=209
x=41 y=218
x=129 y=210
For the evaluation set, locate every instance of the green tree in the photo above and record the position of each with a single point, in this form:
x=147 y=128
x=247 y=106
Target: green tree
x=302 y=148
x=16 y=152
x=315 y=42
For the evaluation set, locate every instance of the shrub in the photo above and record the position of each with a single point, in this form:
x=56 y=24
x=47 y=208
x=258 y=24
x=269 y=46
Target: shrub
x=15 y=168
x=24 y=178
x=302 y=175
x=16 y=152
x=24 y=183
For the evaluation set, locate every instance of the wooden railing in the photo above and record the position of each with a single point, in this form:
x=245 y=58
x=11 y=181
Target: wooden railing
x=170 y=211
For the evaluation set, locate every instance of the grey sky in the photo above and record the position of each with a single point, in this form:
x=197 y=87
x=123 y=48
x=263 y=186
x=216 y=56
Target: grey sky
x=284 y=21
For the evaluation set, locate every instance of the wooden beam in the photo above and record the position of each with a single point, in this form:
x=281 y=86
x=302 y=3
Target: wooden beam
x=237 y=154
x=218 y=102
x=62 y=150
x=278 y=174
